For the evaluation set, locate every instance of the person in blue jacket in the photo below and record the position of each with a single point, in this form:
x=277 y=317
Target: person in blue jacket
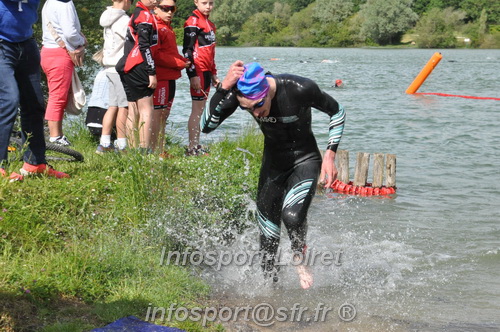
x=20 y=87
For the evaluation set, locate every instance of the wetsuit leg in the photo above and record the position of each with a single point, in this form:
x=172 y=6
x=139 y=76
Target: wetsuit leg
x=269 y=201
x=300 y=189
x=284 y=196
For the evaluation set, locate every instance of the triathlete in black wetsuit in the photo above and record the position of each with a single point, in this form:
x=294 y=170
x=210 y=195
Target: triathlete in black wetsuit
x=291 y=163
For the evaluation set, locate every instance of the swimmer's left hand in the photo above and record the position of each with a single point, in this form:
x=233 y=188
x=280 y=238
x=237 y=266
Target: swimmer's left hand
x=328 y=169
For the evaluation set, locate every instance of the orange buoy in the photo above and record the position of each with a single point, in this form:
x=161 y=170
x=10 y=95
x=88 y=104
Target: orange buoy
x=428 y=68
x=367 y=190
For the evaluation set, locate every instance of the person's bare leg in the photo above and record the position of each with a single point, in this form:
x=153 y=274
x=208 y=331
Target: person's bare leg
x=121 y=128
x=55 y=128
x=132 y=124
x=155 y=129
x=194 y=122
x=121 y=122
x=164 y=113
x=145 y=106
x=108 y=120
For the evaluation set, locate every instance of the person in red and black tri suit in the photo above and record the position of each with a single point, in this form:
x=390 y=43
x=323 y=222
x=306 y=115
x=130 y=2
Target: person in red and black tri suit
x=199 y=48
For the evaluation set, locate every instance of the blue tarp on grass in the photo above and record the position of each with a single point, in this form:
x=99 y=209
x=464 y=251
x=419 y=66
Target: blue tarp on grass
x=134 y=324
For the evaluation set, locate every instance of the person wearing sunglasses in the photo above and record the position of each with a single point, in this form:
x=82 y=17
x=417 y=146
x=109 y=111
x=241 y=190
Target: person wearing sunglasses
x=169 y=64
x=291 y=162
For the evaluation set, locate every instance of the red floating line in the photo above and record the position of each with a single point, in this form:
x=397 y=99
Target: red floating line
x=448 y=95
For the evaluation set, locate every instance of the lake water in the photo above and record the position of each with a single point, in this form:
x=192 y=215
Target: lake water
x=427 y=259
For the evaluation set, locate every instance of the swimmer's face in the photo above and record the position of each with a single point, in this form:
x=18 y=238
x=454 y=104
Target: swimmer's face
x=259 y=108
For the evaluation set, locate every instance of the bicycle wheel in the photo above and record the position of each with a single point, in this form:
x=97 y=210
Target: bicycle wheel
x=77 y=156
x=55 y=150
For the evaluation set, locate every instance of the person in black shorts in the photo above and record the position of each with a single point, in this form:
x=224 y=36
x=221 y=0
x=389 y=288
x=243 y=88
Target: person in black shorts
x=291 y=162
x=138 y=73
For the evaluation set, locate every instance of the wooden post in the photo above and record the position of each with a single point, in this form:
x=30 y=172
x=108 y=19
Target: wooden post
x=378 y=170
x=342 y=159
x=390 y=170
x=361 y=173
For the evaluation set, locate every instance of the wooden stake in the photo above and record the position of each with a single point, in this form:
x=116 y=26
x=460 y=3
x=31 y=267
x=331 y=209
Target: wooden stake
x=378 y=170
x=361 y=173
x=390 y=170
x=342 y=159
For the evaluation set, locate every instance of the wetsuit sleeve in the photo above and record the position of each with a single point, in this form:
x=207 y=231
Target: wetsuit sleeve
x=327 y=104
x=221 y=106
x=144 y=32
x=191 y=32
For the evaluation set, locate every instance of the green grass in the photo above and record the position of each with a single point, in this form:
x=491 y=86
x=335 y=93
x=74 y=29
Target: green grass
x=79 y=253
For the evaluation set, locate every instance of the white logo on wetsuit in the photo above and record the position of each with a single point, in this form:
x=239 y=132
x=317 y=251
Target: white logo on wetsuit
x=268 y=119
x=284 y=119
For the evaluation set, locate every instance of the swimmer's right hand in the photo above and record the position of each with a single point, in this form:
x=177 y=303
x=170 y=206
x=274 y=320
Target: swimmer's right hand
x=233 y=75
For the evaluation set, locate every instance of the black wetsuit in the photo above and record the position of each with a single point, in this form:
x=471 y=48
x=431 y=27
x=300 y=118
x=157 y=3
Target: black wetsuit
x=291 y=160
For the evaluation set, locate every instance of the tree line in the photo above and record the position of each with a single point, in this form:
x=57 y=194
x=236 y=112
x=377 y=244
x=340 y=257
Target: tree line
x=332 y=23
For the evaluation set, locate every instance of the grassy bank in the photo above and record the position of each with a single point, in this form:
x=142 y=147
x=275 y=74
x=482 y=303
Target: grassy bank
x=78 y=253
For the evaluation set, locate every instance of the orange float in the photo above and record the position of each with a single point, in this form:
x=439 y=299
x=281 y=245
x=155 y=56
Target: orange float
x=367 y=190
x=428 y=68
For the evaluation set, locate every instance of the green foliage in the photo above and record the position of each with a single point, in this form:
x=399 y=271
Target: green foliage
x=477 y=32
x=420 y=6
x=229 y=16
x=184 y=10
x=259 y=28
x=298 y=5
x=385 y=21
x=256 y=31
x=93 y=242
x=294 y=23
x=299 y=31
x=333 y=11
x=436 y=28
x=474 y=9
